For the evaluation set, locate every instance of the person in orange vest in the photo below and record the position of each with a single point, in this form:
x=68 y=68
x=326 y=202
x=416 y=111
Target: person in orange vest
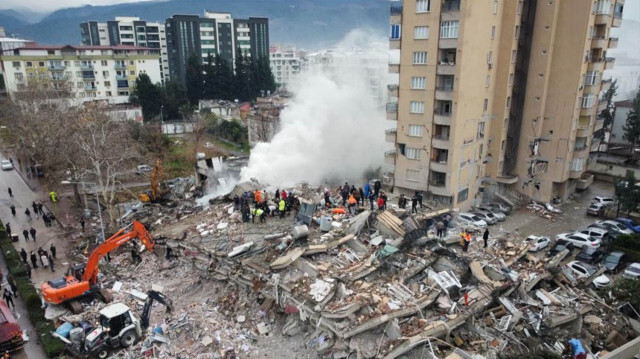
x=352 y=204
x=467 y=241
x=380 y=203
x=257 y=196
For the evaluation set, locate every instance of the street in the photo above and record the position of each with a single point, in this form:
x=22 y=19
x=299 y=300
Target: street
x=23 y=197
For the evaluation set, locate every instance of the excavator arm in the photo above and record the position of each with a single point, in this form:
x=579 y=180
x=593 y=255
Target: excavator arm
x=115 y=241
x=152 y=296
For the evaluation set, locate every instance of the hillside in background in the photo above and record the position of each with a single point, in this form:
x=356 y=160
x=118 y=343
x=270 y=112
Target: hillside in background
x=305 y=23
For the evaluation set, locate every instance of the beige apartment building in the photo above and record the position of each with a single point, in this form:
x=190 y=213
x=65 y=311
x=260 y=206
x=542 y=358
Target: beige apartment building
x=496 y=95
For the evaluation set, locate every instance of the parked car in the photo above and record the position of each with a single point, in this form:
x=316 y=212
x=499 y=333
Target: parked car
x=629 y=224
x=6 y=165
x=499 y=215
x=579 y=240
x=538 y=242
x=499 y=207
x=612 y=226
x=487 y=217
x=596 y=209
x=471 y=219
x=141 y=169
x=584 y=270
x=614 y=261
x=608 y=201
x=632 y=271
x=597 y=233
x=590 y=255
x=560 y=246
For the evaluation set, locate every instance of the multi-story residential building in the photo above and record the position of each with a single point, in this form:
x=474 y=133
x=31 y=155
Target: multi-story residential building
x=88 y=73
x=129 y=31
x=285 y=65
x=216 y=33
x=496 y=95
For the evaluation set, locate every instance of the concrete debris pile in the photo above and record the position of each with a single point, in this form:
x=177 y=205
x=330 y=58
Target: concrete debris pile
x=369 y=285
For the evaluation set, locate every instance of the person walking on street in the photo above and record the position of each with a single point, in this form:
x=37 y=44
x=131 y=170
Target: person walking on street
x=52 y=248
x=34 y=260
x=414 y=204
x=12 y=284
x=467 y=241
x=440 y=229
x=50 y=258
x=33 y=233
x=35 y=209
x=40 y=208
x=23 y=254
x=82 y=223
x=8 y=298
x=25 y=233
x=8 y=229
x=28 y=269
x=485 y=237
x=40 y=255
x=13 y=210
x=44 y=260
x=28 y=213
x=10 y=192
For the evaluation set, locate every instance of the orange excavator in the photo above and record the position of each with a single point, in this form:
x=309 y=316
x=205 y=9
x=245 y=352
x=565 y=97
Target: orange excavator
x=82 y=279
x=158 y=190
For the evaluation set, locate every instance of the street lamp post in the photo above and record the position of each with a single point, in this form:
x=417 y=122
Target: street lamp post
x=97 y=200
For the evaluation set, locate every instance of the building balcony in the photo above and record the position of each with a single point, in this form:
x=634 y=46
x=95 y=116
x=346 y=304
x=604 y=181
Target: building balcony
x=444 y=93
x=581 y=149
x=588 y=111
x=88 y=76
x=508 y=179
x=613 y=42
x=617 y=20
x=86 y=67
x=602 y=105
x=441 y=142
x=392 y=111
x=450 y=10
x=57 y=67
x=439 y=188
x=394 y=44
x=602 y=19
x=120 y=66
x=390 y=157
x=598 y=125
x=394 y=68
x=583 y=131
x=123 y=84
x=59 y=78
x=439 y=166
x=390 y=135
x=609 y=62
x=591 y=89
x=446 y=68
x=90 y=88
x=393 y=90
x=122 y=77
x=576 y=174
x=606 y=84
x=447 y=43
x=442 y=118
x=396 y=10
x=599 y=42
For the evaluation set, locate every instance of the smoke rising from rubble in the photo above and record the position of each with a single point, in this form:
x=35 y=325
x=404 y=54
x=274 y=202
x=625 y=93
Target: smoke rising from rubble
x=332 y=129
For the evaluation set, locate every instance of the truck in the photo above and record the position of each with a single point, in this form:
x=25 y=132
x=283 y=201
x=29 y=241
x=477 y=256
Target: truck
x=10 y=331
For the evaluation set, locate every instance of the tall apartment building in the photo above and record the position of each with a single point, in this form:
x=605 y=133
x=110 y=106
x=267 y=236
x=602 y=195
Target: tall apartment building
x=89 y=73
x=215 y=33
x=285 y=65
x=496 y=95
x=128 y=31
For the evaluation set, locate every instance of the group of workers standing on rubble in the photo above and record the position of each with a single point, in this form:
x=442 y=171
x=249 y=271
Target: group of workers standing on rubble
x=285 y=202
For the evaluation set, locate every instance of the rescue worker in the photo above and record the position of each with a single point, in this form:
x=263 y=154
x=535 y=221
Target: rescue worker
x=135 y=256
x=25 y=233
x=327 y=199
x=54 y=196
x=485 y=237
x=440 y=229
x=8 y=298
x=380 y=203
x=402 y=201
x=467 y=241
x=414 y=204
x=352 y=204
x=257 y=212
x=281 y=207
x=13 y=210
x=257 y=196
x=362 y=196
x=82 y=223
x=276 y=196
x=52 y=248
x=236 y=202
x=23 y=254
x=27 y=212
x=10 y=192
x=33 y=233
x=34 y=260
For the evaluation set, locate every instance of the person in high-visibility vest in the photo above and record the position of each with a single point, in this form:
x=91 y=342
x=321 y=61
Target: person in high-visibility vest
x=352 y=204
x=54 y=196
x=258 y=212
x=467 y=241
x=281 y=207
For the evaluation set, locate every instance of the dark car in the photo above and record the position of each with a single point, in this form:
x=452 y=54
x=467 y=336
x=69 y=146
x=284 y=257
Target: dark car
x=590 y=255
x=560 y=246
x=614 y=261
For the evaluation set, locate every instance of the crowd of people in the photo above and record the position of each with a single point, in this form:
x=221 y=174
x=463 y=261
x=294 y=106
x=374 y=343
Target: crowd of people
x=258 y=205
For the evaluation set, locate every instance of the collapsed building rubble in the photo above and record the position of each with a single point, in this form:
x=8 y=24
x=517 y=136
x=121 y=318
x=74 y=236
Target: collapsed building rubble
x=372 y=285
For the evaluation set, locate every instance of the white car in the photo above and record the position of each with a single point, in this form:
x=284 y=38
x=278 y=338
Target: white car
x=632 y=271
x=471 y=219
x=597 y=233
x=612 y=226
x=499 y=215
x=607 y=201
x=538 y=242
x=487 y=217
x=579 y=240
x=143 y=169
x=6 y=165
x=498 y=207
x=584 y=270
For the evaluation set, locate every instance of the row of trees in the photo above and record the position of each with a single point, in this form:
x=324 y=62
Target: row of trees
x=216 y=79
x=168 y=101
x=632 y=125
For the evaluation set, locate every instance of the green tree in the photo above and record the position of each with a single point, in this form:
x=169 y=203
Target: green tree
x=195 y=81
x=262 y=77
x=242 y=78
x=626 y=290
x=210 y=88
x=627 y=194
x=607 y=114
x=148 y=96
x=173 y=97
x=632 y=127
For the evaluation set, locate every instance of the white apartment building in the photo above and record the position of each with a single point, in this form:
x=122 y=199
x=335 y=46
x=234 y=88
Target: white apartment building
x=285 y=65
x=129 y=30
x=90 y=73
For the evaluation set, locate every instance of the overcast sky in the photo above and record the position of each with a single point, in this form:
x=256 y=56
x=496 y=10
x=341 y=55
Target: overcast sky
x=631 y=11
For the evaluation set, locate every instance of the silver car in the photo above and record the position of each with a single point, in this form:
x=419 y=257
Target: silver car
x=499 y=215
x=6 y=165
x=487 y=217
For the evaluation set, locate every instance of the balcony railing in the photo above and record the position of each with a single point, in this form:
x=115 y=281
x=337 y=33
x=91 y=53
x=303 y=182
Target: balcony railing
x=444 y=88
x=392 y=87
x=617 y=15
x=391 y=131
x=392 y=107
x=90 y=88
x=86 y=66
x=441 y=137
x=390 y=153
x=57 y=67
x=451 y=6
x=120 y=66
x=437 y=183
x=441 y=112
x=396 y=9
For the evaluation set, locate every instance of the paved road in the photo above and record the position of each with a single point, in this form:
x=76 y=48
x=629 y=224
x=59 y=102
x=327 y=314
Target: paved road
x=23 y=197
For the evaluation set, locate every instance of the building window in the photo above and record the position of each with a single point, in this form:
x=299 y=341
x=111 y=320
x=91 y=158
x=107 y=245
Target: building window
x=107 y=83
x=588 y=101
x=485 y=105
x=105 y=74
x=419 y=58
x=591 y=78
x=16 y=64
x=421 y=32
x=395 y=32
x=418 y=83
x=412 y=153
x=495 y=7
x=132 y=73
x=29 y=64
x=449 y=29
x=413 y=175
x=415 y=130
x=493 y=32
x=508 y=102
x=603 y=7
x=514 y=53
x=487 y=81
x=417 y=107
x=423 y=5
x=480 y=133
x=516 y=33
x=577 y=164
x=463 y=195
x=41 y=63
x=19 y=76
x=510 y=79
x=103 y=63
